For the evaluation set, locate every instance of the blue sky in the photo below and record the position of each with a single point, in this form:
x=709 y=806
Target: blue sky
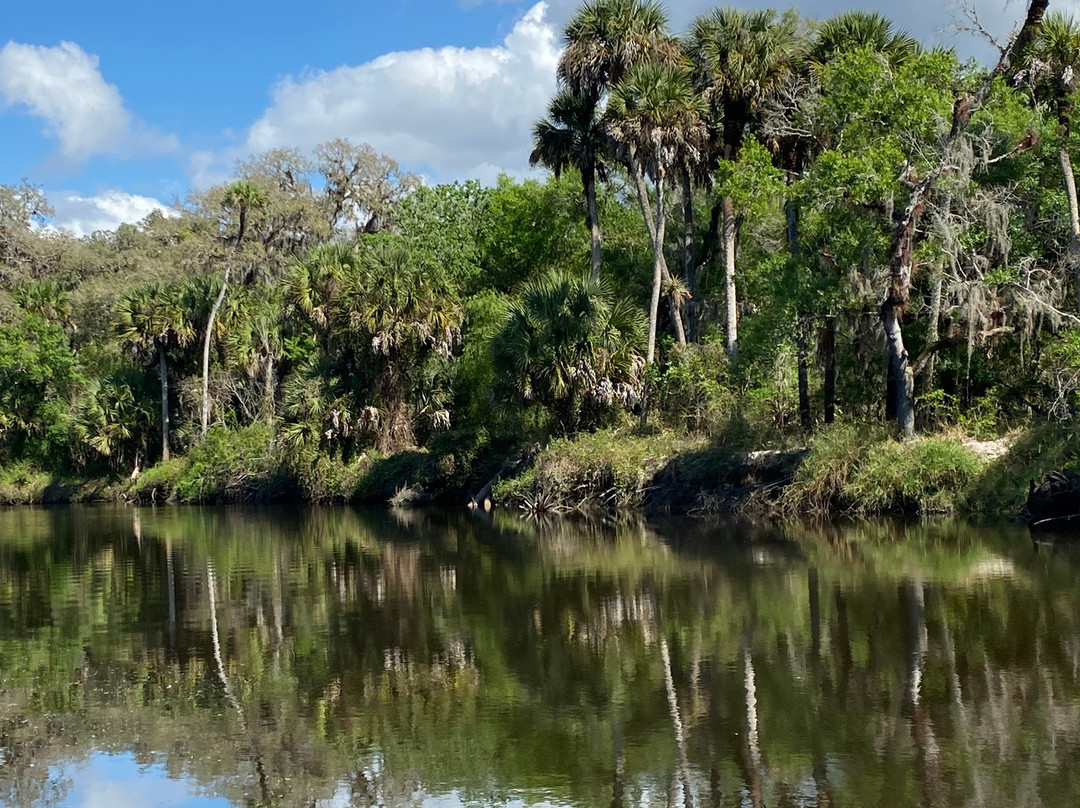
x=117 y=106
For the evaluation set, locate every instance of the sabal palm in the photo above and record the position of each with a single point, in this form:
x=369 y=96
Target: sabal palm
x=657 y=117
x=152 y=320
x=741 y=58
x=46 y=298
x=1053 y=65
x=401 y=302
x=252 y=334
x=570 y=346
x=605 y=38
x=240 y=199
x=313 y=283
x=860 y=29
x=384 y=312
x=574 y=136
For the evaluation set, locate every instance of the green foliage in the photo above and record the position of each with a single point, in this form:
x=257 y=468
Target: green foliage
x=861 y=471
x=39 y=379
x=605 y=469
x=569 y=345
x=530 y=228
x=694 y=393
x=383 y=335
x=386 y=323
x=1033 y=453
x=828 y=468
x=158 y=483
x=228 y=466
x=926 y=476
x=444 y=223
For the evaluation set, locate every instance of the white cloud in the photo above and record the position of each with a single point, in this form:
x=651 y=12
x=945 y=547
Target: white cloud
x=451 y=112
x=83 y=112
x=84 y=215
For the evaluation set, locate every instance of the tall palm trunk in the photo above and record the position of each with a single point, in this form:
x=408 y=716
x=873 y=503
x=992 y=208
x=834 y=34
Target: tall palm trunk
x=163 y=369
x=658 y=268
x=210 y=325
x=656 y=234
x=732 y=326
x=268 y=382
x=689 y=267
x=588 y=179
x=1074 y=219
x=205 y=413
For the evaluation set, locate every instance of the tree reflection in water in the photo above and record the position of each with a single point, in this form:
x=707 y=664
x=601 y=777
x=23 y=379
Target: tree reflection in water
x=339 y=657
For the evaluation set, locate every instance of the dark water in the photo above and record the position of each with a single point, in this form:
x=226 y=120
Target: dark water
x=334 y=658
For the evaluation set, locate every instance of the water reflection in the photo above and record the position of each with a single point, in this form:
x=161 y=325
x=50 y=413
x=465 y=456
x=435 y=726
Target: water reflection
x=331 y=657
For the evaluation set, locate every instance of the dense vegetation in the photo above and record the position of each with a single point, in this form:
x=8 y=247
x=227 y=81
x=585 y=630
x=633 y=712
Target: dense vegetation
x=754 y=229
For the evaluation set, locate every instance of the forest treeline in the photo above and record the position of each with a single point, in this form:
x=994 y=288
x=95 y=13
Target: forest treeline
x=756 y=227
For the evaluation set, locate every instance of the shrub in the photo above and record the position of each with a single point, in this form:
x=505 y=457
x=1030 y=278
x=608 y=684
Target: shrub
x=693 y=392
x=861 y=470
x=1003 y=485
x=234 y=466
x=606 y=469
x=828 y=467
x=158 y=483
x=926 y=476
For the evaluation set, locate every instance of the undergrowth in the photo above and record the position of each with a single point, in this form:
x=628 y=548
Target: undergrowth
x=864 y=471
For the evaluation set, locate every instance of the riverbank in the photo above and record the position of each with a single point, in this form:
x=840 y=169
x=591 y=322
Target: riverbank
x=843 y=469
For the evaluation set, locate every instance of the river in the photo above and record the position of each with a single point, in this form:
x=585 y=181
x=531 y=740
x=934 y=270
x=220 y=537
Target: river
x=217 y=657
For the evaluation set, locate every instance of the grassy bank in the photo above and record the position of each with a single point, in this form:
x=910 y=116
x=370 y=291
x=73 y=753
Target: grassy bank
x=842 y=470
x=22 y=484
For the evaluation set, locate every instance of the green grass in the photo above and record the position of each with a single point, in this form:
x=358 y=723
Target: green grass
x=158 y=482
x=863 y=471
x=25 y=484
x=605 y=469
x=1003 y=485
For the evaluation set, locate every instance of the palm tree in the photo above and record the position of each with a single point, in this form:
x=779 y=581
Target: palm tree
x=860 y=29
x=240 y=198
x=740 y=59
x=253 y=334
x=574 y=136
x=656 y=115
x=384 y=317
x=605 y=38
x=152 y=320
x=46 y=298
x=569 y=345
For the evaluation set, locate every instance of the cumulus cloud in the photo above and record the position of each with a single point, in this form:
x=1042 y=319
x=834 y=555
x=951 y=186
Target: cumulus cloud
x=84 y=215
x=84 y=113
x=450 y=112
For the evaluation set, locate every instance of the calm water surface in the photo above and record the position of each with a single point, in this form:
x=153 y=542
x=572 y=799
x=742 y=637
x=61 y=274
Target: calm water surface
x=189 y=657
